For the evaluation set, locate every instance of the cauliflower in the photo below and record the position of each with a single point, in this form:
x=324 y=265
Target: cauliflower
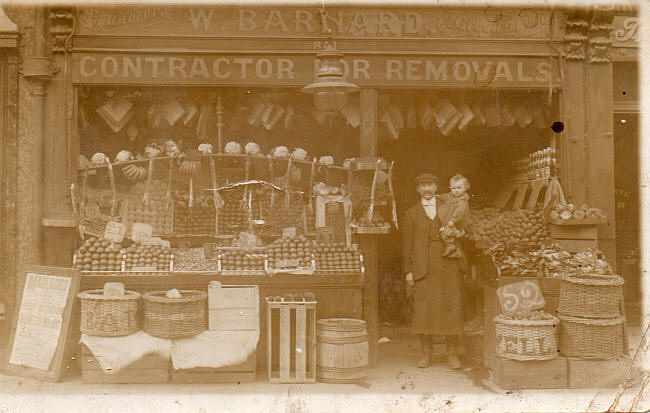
x=171 y=148
x=233 y=147
x=84 y=162
x=206 y=148
x=281 y=152
x=252 y=148
x=152 y=150
x=300 y=154
x=123 y=156
x=326 y=160
x=99 y=159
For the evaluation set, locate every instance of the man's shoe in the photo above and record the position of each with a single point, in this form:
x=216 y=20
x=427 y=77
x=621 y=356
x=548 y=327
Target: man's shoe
x=453 y=362
x=424 y=361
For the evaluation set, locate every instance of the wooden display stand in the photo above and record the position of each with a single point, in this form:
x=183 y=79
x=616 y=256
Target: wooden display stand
x=591 y=374
x=149 y=369
x=240 y=373
x=542 y=374
x=575 y=235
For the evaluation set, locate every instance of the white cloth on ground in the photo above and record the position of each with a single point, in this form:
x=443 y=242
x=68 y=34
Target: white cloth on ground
x=214 y=349
x=115 y=353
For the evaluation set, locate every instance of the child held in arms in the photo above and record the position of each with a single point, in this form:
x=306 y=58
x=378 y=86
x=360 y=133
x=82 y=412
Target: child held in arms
x=453 y=215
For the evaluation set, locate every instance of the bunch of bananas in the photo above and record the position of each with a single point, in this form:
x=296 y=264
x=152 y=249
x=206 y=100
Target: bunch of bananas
x=190 y=162
x=134 y=172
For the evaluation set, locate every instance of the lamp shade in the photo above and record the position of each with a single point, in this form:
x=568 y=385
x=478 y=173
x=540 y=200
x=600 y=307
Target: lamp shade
x=330 y=88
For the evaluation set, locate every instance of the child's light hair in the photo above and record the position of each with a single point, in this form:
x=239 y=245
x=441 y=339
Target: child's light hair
x=460 y=178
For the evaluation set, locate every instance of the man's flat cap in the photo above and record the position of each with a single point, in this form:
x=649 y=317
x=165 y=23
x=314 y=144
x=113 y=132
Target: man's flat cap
x=426 y=179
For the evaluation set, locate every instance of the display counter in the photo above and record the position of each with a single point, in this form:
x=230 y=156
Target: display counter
x=338 y=295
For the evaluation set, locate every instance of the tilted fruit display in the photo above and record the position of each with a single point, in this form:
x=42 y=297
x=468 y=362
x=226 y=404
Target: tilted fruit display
x=337 y=256
x=151 y=257
x=237 y=259
x=288 y=249
x=192 y=259
x=199 y=219
x=548 y=262
x=232 y=215
x=154 y=213
x=490 y=226
x=98 y=254
x=570 y=211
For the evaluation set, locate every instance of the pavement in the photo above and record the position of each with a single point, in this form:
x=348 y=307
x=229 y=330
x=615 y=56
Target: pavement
x=396 y=385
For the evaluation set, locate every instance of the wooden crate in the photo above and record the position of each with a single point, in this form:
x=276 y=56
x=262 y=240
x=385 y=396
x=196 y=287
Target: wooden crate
x=241 y=373
x=575 y=237
x=233 y=308
x=591 y=374
x=149 y=369
x=291 y=341
x=543 y=374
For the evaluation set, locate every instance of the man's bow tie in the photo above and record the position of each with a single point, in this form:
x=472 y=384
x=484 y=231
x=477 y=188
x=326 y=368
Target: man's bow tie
x=430 y=202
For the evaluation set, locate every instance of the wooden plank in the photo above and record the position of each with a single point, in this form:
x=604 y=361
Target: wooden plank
x=233 y=297
x=368 y=131
x=591 y=374
x=543 y=374
x=534 y=193
x=574 y=222
x=311 y=343
x=522 y=189
x=147 y=362
x=285 y=342
x=575 y=245
x=369 y=246
x=233 y=319
x=126 y=376
x=269 y=341
x=574 y=232
x=301 y=342
x=491 y=307
x=205 y=377
x=504 y=196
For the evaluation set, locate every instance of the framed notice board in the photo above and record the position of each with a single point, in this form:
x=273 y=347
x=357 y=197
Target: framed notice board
x=41 y=322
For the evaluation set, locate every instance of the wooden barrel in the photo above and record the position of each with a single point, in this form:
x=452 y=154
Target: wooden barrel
x=342 y=350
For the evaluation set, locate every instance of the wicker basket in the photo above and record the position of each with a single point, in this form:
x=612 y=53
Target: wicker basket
x=591 y=339
x=474 y=341
x=109 y=316
x=174 y=317
x=526 y=339
x=590 y=296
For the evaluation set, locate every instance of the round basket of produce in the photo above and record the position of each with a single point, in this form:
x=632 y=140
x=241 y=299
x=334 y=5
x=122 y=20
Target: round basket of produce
x=181 y=316
x=590 y=338
x=109 y=316
x=590 y=296
x=532 y=338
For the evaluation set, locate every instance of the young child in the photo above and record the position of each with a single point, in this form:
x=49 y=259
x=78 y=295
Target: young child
x=453 y=214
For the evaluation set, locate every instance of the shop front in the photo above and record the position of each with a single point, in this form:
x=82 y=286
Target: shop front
x=180 y=157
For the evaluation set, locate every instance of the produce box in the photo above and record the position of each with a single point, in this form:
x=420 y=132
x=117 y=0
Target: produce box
x=543 y=374
x=149 y=369
x=591 y=374
x=240 y=373
x=233 y=308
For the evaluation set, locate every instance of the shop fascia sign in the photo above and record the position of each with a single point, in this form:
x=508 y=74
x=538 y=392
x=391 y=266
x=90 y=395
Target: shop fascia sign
x=298 y=70
x=625 y=31
x=480 y=22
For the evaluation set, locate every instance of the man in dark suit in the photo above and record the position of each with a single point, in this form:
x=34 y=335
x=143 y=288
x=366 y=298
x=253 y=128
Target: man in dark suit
x=435 y=280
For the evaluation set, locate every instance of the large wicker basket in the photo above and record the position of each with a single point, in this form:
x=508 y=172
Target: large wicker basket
x=526 y=339
x=474 y=341
x=174 y=317
x=109 y=316
x=591 y=339
x=590 y=296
